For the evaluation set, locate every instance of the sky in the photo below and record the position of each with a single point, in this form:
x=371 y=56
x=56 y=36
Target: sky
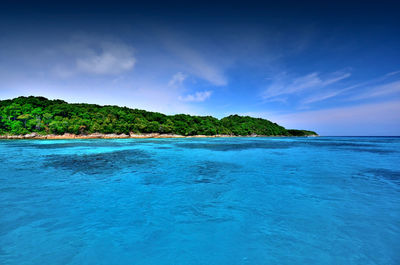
x=328 y=66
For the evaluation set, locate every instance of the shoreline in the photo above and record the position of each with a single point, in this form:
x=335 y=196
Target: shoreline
x=67 y=136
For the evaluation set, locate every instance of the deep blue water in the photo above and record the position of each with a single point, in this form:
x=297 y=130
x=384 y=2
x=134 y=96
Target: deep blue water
x=322 y=200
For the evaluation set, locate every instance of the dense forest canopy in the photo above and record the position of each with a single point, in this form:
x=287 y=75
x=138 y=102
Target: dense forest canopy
x=25 y=115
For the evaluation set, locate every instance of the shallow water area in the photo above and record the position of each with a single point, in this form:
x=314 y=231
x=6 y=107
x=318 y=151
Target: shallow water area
x=323 y=200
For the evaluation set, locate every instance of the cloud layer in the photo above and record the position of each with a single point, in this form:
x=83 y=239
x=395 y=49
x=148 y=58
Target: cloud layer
x=106 y=59
x=282 y=84
x=89 y=55
x=196 y=97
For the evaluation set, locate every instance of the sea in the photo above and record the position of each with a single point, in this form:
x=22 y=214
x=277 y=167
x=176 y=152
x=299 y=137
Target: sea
x=241 y=200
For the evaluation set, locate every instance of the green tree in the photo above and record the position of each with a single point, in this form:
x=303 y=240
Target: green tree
x=24 y=118
x=38 y=114
x=17 y=128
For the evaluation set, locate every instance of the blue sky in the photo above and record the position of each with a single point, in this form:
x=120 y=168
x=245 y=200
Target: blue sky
x=329 y=67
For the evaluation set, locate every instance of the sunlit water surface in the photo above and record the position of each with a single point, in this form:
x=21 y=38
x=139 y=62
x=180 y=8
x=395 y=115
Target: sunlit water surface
x=229 y=201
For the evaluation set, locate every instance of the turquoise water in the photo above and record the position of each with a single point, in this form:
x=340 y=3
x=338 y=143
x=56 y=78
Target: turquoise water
x=318 y=200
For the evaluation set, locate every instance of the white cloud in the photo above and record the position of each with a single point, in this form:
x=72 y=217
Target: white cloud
x=391 y=88
x=282 y=84
x=177 y=79
x=392 y=73
x=107 y=58
x=196 y=97
x=197 y=64
x=323 y=96
x=94 y=56
x=370 y=91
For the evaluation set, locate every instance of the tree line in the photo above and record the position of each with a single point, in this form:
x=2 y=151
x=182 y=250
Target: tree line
x=25 y=115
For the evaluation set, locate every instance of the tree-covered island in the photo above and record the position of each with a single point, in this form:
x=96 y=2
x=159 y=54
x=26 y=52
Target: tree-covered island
x=39 y=116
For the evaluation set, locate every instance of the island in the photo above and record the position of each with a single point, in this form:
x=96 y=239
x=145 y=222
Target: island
x=40 y=118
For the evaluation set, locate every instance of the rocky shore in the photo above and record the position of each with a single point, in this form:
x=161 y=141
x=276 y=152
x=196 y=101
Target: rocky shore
x=104 y=136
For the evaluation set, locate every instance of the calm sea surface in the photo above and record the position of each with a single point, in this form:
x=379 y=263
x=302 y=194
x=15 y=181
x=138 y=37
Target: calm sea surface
x=322 y=200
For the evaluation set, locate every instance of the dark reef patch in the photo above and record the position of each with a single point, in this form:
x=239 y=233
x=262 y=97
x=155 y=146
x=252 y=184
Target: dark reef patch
x=212 y=172
x=99 y=163
x=382 y=173
x=369 y=150
x=164 y=147
x=238 y=146
x=235 y=145
x=347 y=145
x=339 y=144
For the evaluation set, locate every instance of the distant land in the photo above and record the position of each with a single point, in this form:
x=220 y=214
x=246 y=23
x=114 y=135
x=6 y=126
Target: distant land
x=41 y=118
